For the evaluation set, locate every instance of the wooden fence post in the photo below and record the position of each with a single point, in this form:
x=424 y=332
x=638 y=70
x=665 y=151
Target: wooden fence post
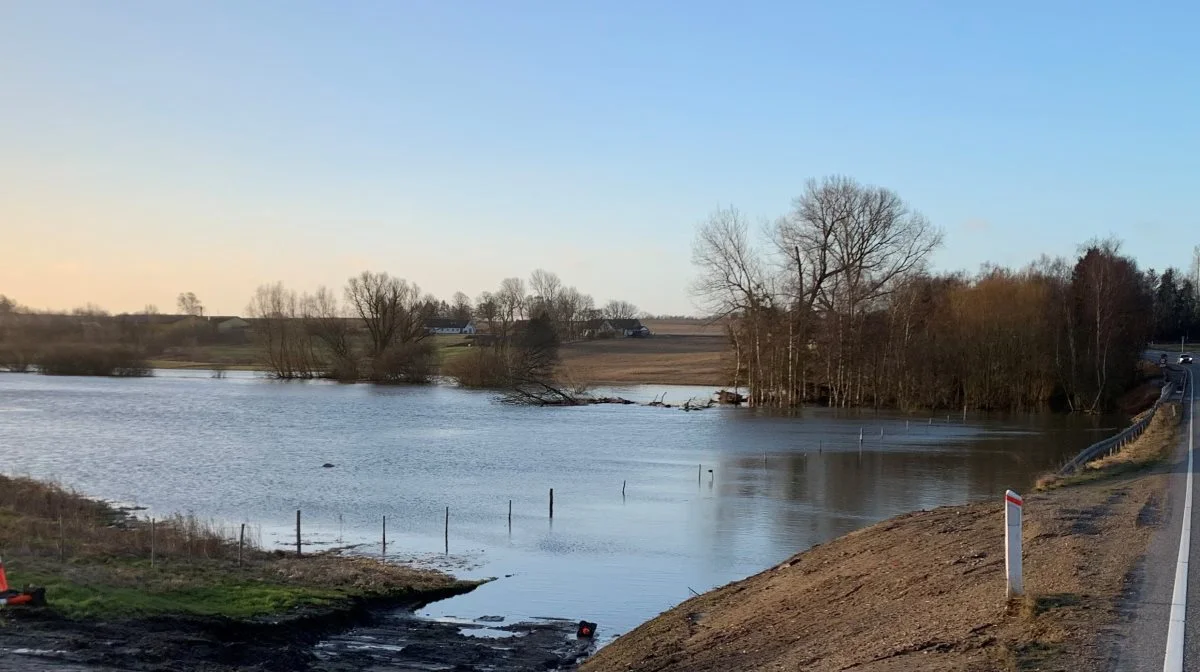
x=297 y=533
x=552 y=502
x=241 y=543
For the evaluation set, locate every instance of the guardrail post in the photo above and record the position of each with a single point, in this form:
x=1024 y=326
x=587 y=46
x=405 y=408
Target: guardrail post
x=1012 y=543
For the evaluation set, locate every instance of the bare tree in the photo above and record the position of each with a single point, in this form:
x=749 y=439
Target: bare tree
x=531 y=367
x=488 y=310
x=619 y=310
x=570 y=311
x=394 y=313
x=545 y=287
x=150 y=309
x=511 y=300
x=283 y=341
x=732 y=277
x=391 y=309
x=461 y=308
x=326 y=321
x=189 y=305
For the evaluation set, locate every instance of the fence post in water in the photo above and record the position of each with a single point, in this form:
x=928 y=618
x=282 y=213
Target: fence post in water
x=551 y=502
x=623 y=488
x=241 y=543
x=698 y=466
x=510 y=515
x=384 y=546
x=1012 y=543
x=447 y=530
x=297 y=533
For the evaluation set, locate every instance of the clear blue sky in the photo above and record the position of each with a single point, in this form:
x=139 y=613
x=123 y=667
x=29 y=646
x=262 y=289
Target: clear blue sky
x=148 y=148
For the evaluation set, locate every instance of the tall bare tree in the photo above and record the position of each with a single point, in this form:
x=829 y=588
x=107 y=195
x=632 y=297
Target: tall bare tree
x=279 y=331
x=189 y=305
x=619 y=310
x=328 y=323
x=511 y=300
x=391 y=310
x=461 y=309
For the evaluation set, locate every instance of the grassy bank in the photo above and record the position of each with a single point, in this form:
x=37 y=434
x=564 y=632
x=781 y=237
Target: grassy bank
x=926 y=590
x=96 y=562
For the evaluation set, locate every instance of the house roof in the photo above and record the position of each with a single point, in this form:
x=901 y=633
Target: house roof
x=626 y=324
x=445 y=323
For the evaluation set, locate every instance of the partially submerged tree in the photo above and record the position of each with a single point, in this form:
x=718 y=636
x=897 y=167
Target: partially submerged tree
x=394 y=314
x=327 y=322
x=280 y=332
x=532 y=359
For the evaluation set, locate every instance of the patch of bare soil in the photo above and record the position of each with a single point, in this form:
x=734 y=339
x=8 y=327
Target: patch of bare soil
x=923 y=591
x=664 y=359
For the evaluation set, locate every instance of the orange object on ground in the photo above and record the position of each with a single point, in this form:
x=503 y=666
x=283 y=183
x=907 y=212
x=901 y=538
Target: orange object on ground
x=3 y=579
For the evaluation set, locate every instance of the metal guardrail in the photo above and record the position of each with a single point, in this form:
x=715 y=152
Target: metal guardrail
x=1115 y=443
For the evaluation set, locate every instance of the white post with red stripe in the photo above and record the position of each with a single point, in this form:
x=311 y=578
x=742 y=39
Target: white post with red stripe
x=1012 y=543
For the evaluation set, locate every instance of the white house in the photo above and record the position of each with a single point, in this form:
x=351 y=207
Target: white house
x=439 y=325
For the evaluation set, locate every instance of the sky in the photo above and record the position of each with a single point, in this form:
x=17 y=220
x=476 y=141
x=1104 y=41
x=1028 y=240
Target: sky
x=150 y=148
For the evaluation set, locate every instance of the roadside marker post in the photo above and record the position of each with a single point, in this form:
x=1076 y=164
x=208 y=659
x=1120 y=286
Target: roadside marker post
x=1012 y=543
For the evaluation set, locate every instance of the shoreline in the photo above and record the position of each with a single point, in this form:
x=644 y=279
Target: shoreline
x=126 y=593
x=925 y=590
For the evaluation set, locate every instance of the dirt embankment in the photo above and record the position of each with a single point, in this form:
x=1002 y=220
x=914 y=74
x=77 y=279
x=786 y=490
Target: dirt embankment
x=926 y=591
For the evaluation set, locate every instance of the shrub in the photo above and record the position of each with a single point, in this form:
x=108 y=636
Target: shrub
x=483 y=368
x=79 y=359
x=405 y=363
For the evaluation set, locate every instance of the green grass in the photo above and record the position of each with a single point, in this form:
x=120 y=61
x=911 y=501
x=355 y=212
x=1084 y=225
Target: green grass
x=135 y=589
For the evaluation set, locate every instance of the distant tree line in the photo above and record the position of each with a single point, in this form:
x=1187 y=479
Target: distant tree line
x=377 y=331
x=834 y=304
x=1176 y=303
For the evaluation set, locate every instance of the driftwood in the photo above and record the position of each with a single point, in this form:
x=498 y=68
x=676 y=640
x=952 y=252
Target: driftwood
x=730 y=397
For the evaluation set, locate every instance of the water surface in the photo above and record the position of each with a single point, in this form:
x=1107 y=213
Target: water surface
x=245 y=449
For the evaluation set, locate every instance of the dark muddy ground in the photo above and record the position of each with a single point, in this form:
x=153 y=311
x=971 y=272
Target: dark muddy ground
x=357 y=640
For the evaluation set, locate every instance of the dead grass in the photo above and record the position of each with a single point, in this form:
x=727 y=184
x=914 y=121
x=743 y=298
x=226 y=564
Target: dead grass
x=924 y=591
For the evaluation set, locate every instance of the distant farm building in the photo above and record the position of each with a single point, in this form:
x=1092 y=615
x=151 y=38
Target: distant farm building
x=449 y=326
x=229 y=325
x=615 y=329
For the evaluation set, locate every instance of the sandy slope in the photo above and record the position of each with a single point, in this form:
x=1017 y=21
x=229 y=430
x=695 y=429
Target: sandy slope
x=923 y=591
